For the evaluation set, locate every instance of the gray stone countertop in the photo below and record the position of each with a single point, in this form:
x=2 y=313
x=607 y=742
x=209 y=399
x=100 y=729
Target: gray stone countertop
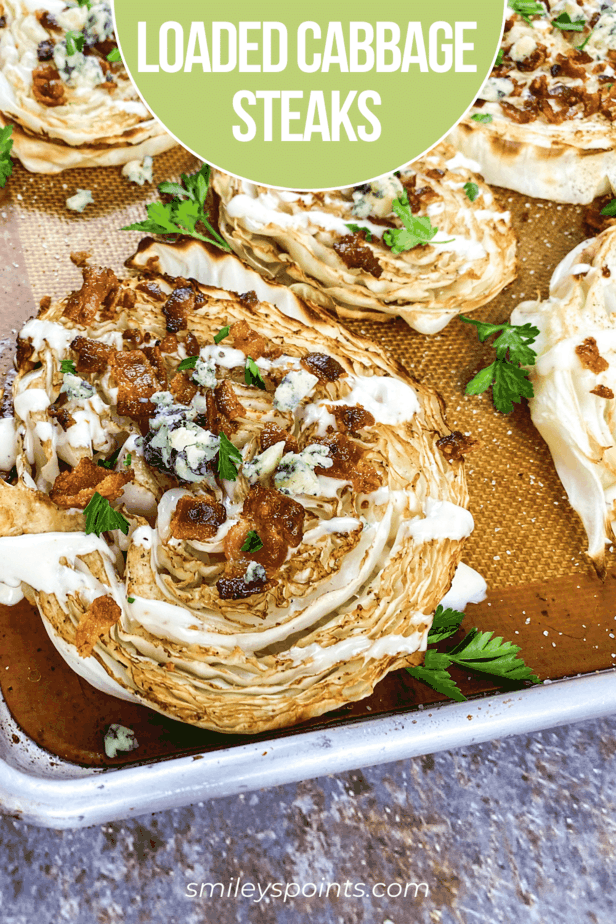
x=519 y=830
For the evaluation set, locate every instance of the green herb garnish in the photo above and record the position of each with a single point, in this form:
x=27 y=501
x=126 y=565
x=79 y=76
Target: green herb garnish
x=110 y=462
x=131 y=599
x=417 y=229
x=252 y=543
x=252 y=374
x=526 y=8
x=509 y=382
x=222 y=333
x=610 y=209
x=6 y=164
x=127 y=461
x=185 y=211
x=189 y=363
x=478 y=651
x=229 y=459
x=101 y=517
x=87 y=3
x=74 y=42
x=586 y=41
x=114 y=56
x=565 y=23
x=67 y=367
x=471 y=190
x=484 y=117
x=499 y=57
x=357 y=228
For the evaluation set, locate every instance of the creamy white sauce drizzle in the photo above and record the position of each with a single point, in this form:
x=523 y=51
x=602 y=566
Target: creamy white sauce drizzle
x=442 y=520
x=389 y=400
x=467 y=586
x=8 y=443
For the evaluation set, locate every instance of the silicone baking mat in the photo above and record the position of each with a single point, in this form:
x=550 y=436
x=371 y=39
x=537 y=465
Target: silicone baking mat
x=528 y=543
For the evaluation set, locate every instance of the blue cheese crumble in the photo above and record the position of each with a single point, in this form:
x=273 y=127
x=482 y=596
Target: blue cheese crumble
x=265 y=463
x=76 y=388
x=77 y=70
x=294 y=388
x=78 y=202
x=99 y=23
x=119 y=738
x=138 y=171
x=176 y=444
x=295 y=473
x=255 y=572
x=378 y=198
x=205 y=371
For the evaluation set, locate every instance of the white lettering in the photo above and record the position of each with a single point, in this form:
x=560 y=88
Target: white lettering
x=301 y=47
x=335 y=37
x=217 y=29
x=268 y=97
x=287 y=116
x=251 y=125
x=364 y=46
x=142 y=52
x=375 y=134
x=462 y=46
x=269 y=28
x=197 y=38
x=341 y=116
x=163 y=47
x=245 y=46
x=433 y=47
x=384 y=45
x=316 y=103
x=414 y=35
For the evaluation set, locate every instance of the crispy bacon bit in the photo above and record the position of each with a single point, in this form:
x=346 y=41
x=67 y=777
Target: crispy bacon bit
x=234 y=586
x=24 y=351
x=191 y=344
x=249 y=299
x=92 y=356
x=133 y=336
x=101 y=615
x=435 y=174
x=251 y=343
x=215 y=421
x=456 y=446
x=155 y=356
x=606 y=272
x=351 y=418
x=178 y=306
x=45 y=302
x=197 y=518
x=47 y=87
x=349 y=464
x=272 y=434
x=138 y=377
x=356 y=255
x=534 y=60
x=44 y=50
x=325 y=367
x=77 y=487
x=169 y=344
x=100 y=288
x=228 y=402
x=417 y=197
x=182 y=388
x=590 y=357
x=48 y=21
x=602 y=391
x=278 y=521
x=153 y=290
x=59 y=413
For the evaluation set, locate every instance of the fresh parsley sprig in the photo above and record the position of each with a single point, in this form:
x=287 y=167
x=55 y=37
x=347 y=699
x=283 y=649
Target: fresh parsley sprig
x=6 y=164
x=67 y=367
x=189 y=363
x=610 y=209
x=509 y=382
x=252 y=542
x=417 y=229
x=471 y=190
x=110 y=462
x=74 y=42
x=478 y=651
x=526 y=8
x=114 y=56
x=229 y=459
x=499 y=57
x=357 y=228
x=185 y=211
x=101 y=517
x=566 y=24
x=252 y=374
x=483 y=117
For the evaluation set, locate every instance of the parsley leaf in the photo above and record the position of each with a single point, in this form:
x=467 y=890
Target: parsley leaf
x=252 y=543
x=509 y=382
x=484 y=117
x=526 y=8
x=6 y=164
x=67 y=367
x=184 y=212
x=610 y=209
x=222 y=333
x=357 y=228
x=87 y=3
x=444 y=624
x=499 y=57
x=127 y=461
x=114 y=55
x=471 y=190
x=74 y=42
x=229 y=459
x=252 y=374
x=434 y=673
x=586 y=41
x=110 y=462
x=565 y=23
x=131 y=599
x=189 y=363
x=101 y=517
x=417 y=229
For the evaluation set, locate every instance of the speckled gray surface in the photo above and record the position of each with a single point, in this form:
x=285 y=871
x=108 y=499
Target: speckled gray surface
x=519 y=830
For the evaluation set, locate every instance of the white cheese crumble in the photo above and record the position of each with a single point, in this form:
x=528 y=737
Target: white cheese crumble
x=296 y=474
x=265 y=463
x=205 y=372
x=294 y=388
x=255 y=572
x=78 y=202
x=119 y=738
x=523 y=48
x=138 y=171
x=76 y=388
x=378 y=199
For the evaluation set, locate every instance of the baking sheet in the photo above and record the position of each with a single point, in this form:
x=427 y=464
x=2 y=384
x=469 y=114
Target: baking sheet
x=528 y=543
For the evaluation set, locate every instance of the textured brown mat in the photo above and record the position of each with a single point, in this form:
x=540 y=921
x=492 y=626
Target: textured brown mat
x=528 y=543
